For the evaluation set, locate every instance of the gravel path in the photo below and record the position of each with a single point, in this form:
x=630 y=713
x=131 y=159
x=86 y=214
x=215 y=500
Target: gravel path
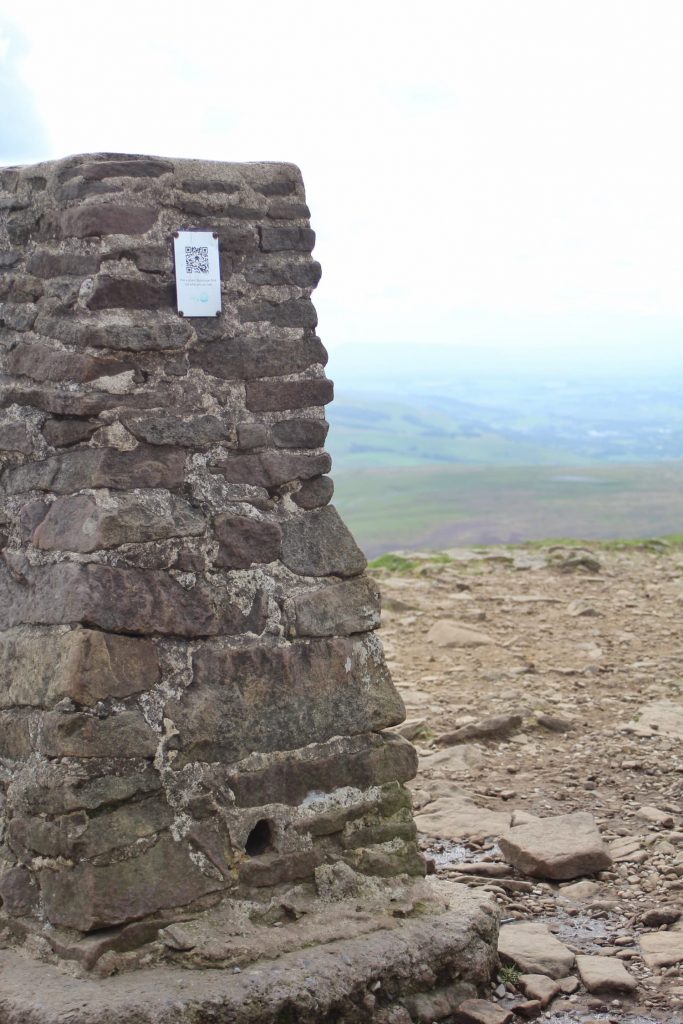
x=579 y=655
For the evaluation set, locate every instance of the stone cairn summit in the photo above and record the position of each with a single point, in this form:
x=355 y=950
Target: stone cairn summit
x=192 y=698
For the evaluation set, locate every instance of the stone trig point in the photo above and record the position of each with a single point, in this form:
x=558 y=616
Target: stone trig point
x=194 y=767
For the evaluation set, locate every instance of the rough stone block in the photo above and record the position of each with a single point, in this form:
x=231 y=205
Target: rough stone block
x=290 y=313
x=88 y=897
x=125 y=734
x=61 y=787
x=314 y=493
x=18 y=891
x=245 y=541
x=18 y=316
x=40 y=667
x=123 y=601
x=272 y=469
x=211 y=186
x=9 y=258
x=126 y=167
x=304 y=274
x=336 y=609
x=98 y=467
x=281 y=210
x=248 y=357
x=358 y=761
x=47 y=264
x=15 y=734
x=61 y=433
x=278 y=396
x=282 y=239
x=130 y=293
x=90 y=522
x=300 y=433
x=78 y=835
x=252 y=435
x=48 y=363
x=106 y=219
x=274 y=869
x=131 y=331
x=561 y=847
x=319 y=544
x=155 y=426
x=15 y=437
x=320 y=688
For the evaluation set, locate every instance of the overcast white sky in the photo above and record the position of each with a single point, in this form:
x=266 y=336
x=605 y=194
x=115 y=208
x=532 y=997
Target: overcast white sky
x=474 y=167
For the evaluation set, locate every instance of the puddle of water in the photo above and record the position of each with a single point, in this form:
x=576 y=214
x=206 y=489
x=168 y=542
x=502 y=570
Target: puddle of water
x=581 y=930
x=582 y=1015
x=447 y=853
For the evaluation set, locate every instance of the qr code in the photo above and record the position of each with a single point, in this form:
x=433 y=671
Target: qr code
x=196 y=259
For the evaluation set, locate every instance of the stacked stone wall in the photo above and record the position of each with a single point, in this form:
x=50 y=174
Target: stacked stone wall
x=192 y=698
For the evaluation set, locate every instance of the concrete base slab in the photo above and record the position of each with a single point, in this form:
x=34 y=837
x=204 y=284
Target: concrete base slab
x=380 y=977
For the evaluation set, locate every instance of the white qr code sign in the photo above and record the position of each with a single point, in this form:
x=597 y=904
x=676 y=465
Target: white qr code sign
x=197 y=273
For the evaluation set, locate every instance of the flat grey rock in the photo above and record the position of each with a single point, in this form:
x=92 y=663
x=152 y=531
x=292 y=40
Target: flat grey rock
x=314 y=985
x=605 y=974
x=563 y=847
x=534 y=950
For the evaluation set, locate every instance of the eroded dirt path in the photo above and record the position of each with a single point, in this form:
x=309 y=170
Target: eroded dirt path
x=592 y=640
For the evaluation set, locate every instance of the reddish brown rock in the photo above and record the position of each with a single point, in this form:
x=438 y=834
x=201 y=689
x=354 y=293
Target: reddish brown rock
x=60 y=433
x=321 y=689
x=126 y=167
x=272 y=469
x=480 y=1011
x=265 y=396
x=47 y=264
x=15 y=437
x=314 y=493
x=290 y=313
x=42 y=667
x=47 y=363
x=300 y=433
x=318 y=544
x=18 y=891
x=87 y=522
x=106 y=219
x=245 y=541
x=130 y=293
x=99 y=467
x=88 y=897
x=157 y=426
x=125 y=734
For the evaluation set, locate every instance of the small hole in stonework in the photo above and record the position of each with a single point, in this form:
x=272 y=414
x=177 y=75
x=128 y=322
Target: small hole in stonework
x=259 y=839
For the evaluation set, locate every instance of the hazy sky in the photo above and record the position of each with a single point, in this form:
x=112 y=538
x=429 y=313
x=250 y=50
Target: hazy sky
x=493 y=170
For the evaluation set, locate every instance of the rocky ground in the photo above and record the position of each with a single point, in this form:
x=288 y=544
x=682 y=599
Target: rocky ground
x=542 y=683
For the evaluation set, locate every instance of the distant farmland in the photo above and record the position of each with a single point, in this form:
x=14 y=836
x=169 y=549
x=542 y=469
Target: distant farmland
x=441 y=506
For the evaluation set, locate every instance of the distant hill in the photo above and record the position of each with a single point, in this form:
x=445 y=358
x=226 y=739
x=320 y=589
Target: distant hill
x=500 y=456
x=554 y=426
x=436 y=507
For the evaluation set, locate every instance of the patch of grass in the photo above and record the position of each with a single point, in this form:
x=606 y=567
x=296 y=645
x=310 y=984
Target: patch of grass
x=397 y=563
x=509 y=975
x=393 y=563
